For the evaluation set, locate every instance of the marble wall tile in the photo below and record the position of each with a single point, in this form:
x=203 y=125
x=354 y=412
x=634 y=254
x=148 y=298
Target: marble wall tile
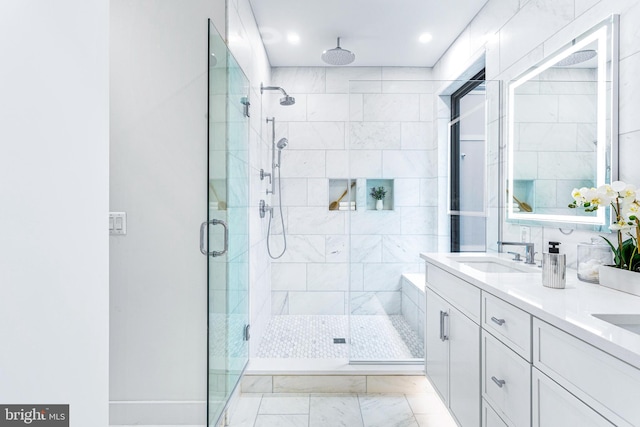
x=302 y=164
x=357 y=277
x=335 y=411
x=426 y=107
x=374 y=135
x=578 y=165
x=366 y=163
x=630 y=145
x=328 y=107
x=408 y=164
x=312 y=220
x=316 y=303
x=366 y=248
x=318 y=191
x=384 y=276
x=339 y=79
x=378 y=410
x=429 y=191
x=420 y=220
x=376 y=303
x=406 y=248
x=289 y=276
x=417 y=135
x=406 y=73
x=629 y=30
x=537 y=20
x=547 y=137
x=256 y=384
x=406 y=192
x=397 y=384
x=577 y=108
x=279 y=303
x=356 y=103
x=336 y=248
x=284 y=113
x=317 y=135
x=527 y=165
x=296 y=80
x=292 y=190
x=375 y=222
x=391 y=107
x=328 y=277
x=407 y=86
x=337 y=164
x=536 y=108
x=302 y=248
x=319 y=384
x=629 y=99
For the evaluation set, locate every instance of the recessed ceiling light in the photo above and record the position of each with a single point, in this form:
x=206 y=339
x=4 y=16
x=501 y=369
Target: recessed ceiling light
x=293 y=38
x=425 y=38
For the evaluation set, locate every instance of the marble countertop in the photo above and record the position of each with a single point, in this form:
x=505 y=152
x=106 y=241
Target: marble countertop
x=569 y=309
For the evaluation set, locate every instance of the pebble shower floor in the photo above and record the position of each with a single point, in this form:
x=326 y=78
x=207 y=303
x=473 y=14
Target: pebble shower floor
x=374 y=337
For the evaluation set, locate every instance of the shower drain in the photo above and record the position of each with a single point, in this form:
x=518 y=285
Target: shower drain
x=339 y=341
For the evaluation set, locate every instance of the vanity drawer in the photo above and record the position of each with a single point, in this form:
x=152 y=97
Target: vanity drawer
x=489 y=417
x=463 y=295
x=508 y=323
x=554 y=406
x=506 y=382
x=608 y=385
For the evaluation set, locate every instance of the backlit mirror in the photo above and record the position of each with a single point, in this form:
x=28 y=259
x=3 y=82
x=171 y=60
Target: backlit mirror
x=562 y=129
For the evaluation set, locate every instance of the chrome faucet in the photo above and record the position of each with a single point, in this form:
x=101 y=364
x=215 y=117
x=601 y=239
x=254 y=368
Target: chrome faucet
x=528 y=250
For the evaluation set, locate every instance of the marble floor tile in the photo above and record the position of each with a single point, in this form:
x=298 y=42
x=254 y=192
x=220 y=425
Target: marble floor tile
x=282 y=421
x=245 y=412
x=284 y=404
x=435 y=420
x=386 y=410
x=339 y=410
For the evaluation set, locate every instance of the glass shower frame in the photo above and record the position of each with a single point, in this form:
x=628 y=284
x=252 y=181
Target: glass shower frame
x=227 y=226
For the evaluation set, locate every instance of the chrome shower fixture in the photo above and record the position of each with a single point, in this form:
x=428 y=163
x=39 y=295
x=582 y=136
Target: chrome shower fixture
x=286 y=100
x=338 y=56
x=577 y=57
x=280 y=145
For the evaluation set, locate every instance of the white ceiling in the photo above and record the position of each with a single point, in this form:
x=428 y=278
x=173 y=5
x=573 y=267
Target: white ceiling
x=379 y=32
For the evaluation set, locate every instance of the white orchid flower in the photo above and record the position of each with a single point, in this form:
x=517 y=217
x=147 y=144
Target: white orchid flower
x=595 y=197
x=578 y=195
x=621 y=225
x=618 y=186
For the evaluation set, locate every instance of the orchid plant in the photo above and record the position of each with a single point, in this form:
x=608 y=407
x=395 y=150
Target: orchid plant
x=625 y=205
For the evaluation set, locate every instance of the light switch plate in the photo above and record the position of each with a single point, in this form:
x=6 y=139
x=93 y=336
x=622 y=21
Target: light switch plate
x=525 y=234
x=117 y=223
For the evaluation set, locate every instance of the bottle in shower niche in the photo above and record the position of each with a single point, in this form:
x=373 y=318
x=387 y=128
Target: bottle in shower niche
x=590 y=257
x=554 y=267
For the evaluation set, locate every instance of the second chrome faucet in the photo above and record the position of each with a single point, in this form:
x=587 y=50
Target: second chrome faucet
x=529 y=252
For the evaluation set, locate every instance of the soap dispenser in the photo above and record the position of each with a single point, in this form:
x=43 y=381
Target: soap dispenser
x=554 y=267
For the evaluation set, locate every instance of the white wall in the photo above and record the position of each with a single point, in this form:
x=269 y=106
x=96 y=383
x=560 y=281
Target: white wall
x=158 y=177
x=516 y=34
x=54 y=184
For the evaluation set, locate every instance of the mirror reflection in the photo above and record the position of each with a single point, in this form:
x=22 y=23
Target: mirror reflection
x=560 y=123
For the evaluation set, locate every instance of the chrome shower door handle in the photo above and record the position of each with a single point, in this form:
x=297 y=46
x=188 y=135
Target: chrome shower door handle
x=204 y=227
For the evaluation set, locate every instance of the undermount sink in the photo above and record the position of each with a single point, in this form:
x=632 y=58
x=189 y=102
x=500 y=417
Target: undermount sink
x=630 y=322
x=492 y=264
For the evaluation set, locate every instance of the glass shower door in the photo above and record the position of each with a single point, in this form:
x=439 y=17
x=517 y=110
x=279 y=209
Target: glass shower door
x=225 y=234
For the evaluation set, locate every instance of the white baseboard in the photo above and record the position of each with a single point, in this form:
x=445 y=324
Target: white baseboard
x=191 y=413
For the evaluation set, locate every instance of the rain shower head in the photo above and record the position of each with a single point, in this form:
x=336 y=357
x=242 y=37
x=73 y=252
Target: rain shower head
x=285 y=100
x=338 y=56
x=282 y=143
x=577 y=57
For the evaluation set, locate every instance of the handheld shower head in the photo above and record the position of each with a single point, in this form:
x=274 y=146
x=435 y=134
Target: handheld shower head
x=281 y=144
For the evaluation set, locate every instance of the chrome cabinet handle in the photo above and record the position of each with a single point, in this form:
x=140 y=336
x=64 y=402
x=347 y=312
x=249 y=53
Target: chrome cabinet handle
x=443 y=334
x=203 y=231
x=499 y=322
x=498 y=382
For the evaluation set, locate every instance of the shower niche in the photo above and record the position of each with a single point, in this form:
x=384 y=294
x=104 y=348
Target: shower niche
x=387 y=201
x=342 y=194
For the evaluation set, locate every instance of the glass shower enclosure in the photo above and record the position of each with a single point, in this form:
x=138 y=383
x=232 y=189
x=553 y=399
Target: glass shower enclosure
x=224 y=237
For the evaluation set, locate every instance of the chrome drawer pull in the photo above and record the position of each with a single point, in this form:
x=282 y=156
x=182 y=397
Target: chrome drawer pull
x=500 y=322
x=498 y=382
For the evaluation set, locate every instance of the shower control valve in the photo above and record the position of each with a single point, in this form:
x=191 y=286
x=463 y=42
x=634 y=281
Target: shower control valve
x=264 y=174
x=264 y=207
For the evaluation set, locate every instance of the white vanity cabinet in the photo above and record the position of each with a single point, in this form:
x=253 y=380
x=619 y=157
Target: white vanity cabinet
x=453 y=344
